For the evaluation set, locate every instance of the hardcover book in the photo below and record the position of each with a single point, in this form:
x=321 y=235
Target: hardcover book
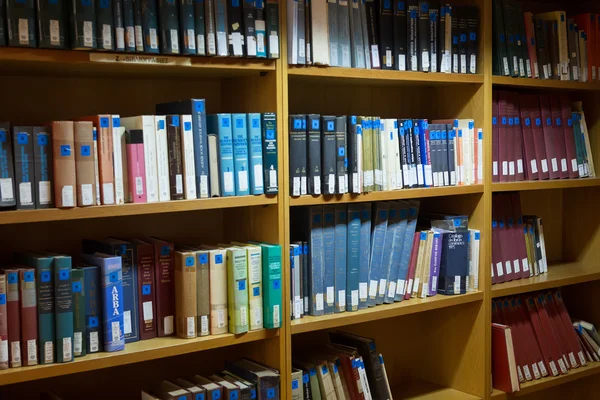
x=129 y=25
x=272 y=23
x=24 y=171
x=42 y=159
x=164 y=275
x=63 y=148
x=221 y=27
x=7 y=174
x=272 y=290
x=221 y=123
x=162 y=158
x=209 y=17
x=20 y=20
x=119 y=25
x=146 y=287
x=240 y=154
x=84 y=163
x=103 y=126
x=3 y=322
x=149 y=10
x=313 y=150
x=185 y=294
x=135 y=167
x=249 y=16
x=298 y=167
x=269 y=135
x=200 y=26
x=237 y=290
x=82 y=21
x=14 y=317
x=93 y=309
x=260 y=27
x=218 y=293
x=235 y=31
x=340 y=245
x=52 y=26
x=63 y=305
x=104 y=25
x=78 y=288
x=168 y=22
x=147 y=124
x=187 y=25
x=329 y=258
x=255 y=154
x=316 y=266
x=29 y=320
x=175 y=149
x=189 y=173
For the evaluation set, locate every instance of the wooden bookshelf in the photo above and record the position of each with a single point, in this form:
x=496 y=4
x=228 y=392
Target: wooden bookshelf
x=543 y=84
x=545 y=185
x=423 y=390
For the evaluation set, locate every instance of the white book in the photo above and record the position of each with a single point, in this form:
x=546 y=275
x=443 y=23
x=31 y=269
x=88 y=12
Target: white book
x=473 y=285
x=397 y=162
x=292 y=32
x=359 y=150
x=218 y=290
x=466 y=168
x=119 y=159
x=255 y=303
x=187 y=150
x=479 y=156
x=390 y=173
x=162 y=158
x=213 y=165
x=362 y=373
x=320 y=32
x=544 y=264
x=147 y=124
x=455 y=175
x=96 y=168
x=383 y=155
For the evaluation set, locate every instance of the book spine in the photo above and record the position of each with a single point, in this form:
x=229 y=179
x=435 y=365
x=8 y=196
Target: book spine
x=329 y=258
x=42 y=158
x=272 y=23
x=52 y=26
x=20 y=19
x=255 y=154
x=341 y=155
x=138 y=26
x=237 y=290
x=378 y=153
x=168 y=23
x=200 y=27
x=235 y=32
x=423 y=38
x=113 y=309
x=164 y=275
x=63 y=297
x=3 y=43
x=200 y=148
x=249 y=17
x=218 y=292
x=203 y=292
x=316 y=249
x=136 y=171
x=146 y=291
x=240 y=154
x=220 y=7
x=63 y=146
x=353 y=256
x=254 y=273
x=185 y=295
x=3 y=323
x=129 y=26
x=14 y=318
x=77 y=286
x=328 y=154
x=84 y=163
x=352 y=155
x=187 y=26
x=377 y=244
x=29 y=319
x=211 y=38
x=174 y=149
x=24 y=167
x=119 y=25
x=370 y=7
x=340 y=241
x=344 y=48
x=7 y=188
x=149 y=9
x=269 y=134
x=434 y=13
x=130 y=291
x=93 y=328
x=104 y=25
x=226 y=158
x=162 y=159
x=190 y=181
x=260 y=27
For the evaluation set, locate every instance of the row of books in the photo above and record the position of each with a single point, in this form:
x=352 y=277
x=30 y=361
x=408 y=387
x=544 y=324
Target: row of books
x=549 y=45
x=350 y=367
x=213 y=28
x=532 y=338
x=539 y=137
x=124 y=291
x=105 y=159
x=355 y=154
x=518 y=245
x=363 y=255
x=416 y=35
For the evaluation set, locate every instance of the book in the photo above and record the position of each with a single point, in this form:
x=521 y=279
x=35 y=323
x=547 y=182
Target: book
x=93 y=309
x=298 y=154
x=146 y=287
x=129 y=26
x=175 y=156
x=218 y=294
x=235 y=32
x=210 y=32
x=105 y=138
x=63 y=147
x=319 y=22
x=255 y=285
x=329 y=258
x=328 y=154
x=168 y=23
x=104 y=25
x=190 y=183
x=24 y=168
x=424 y=39
x=84 y=163
x=82 y=26
x=162 y=159
x=221 y=123
x=269 y=138
x=52 y=25
x=504 y=367
x=316 y=266
x=150 y=32
x=63 y=306
x=340 y=246
x=272 y=28
x=3 y=322
x=7 y=174
x=20 y=22
x=79 y=346
x=13 y=310
x=28 y=314
x=249 y=17
x=185 y=294
x=147 y=124
x=119 y=25
x=136 y=166
x=187 y=26
x=240 y=154
x=164 y=283
x=372 y=30
x=353 y=257
x=255 y=156
x=213 y=158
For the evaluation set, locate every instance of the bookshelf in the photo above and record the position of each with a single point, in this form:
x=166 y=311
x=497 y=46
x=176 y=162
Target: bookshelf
x=435 y=348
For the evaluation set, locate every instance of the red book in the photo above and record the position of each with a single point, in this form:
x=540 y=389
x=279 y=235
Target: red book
x=164 y=279
x=568 y=325
x=584 y=22
x=3 y=324
x=497 y=261
x=520 y=357
x=532 y=342
x=550 y=357
x=559 y=136
x=410 y=278
x=530 y=369
x=531 y=45
x=531 y=163
x=136 y=169
x=569 y=135
x=504 y=367
x=495 y=139
x=14 y=317
x=506 y=240
x=519 y=172
x=146 y=288
x=29 y=317
x=551 y=336
x=559 y=328
x=521 y=245
x=504 y=135
x=538 y=137
x=548 y=128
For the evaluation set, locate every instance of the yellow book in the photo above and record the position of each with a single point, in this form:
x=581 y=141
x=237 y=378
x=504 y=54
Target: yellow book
x=426 y=272
x=237 y=289
x=255 y=295
x=420 y=260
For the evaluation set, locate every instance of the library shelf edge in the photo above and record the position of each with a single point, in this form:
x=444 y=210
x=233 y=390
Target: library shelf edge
x=557 y=275
x=507 y=81
x=544 y=185
x=423 y=390
x=403 y=194
x=412 y=306
x=548 y=382
x=143 y=350
x=59 y=214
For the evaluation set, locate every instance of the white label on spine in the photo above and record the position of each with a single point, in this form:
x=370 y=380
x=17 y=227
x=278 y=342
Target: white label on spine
x=525 y=264
x=341 y=184
x=153 y=39
x=388 y=58
x=543 y=369
x=317 y=185
x=296 y=186
x=108 y=190
x=499 y=270
x=355 y=183
x=15 y=351
x=330 y=295
x=147 y=311
x=553 y=368
x=536 y=371
x=44 y=192
x=400 y=287
x=516 y=266
x=201 y=46
x=414 y=64
x=354 y=298
x=174 y=40
x=473 y=64
x=573 y=360
x=362 y=291
x=511 y=168
x=272 y=178
x=54 y=32
x=554 y=165
x=32 y=351
x=106 y=37
x=236 y=40
x=342 y=299
x=534 y=166
x=527 y=372
x=139 y=186
x=375 y=56
x=49 y=352
x=536 y=70
x=130 y=36
x=274 y=44
x=139 y=41
x=544 y=165
x=457 y=284
x=508 y=267
x=319 y=301
x=220 y=318
x=127 y=322
x=392 y=289
x=168 y=324
x=563 y=165
x=243 y=180
x=331 y=184
x=409 y=286
x=212 y=46
x=545 y=69
x=87 y=195
x=373 y=289
x=190 y=327
x=4 y=351
x=23 y=31
x=67 y=196
x=562 y=366
x=382 y=286
x=120 y=36
x=6 y=189
x=434 y=283
x=191 y=39
x=203 y=186
x=77 y=342
x=204 y=325
x=276 y=320
x=506 y=69
x=378 y=177
x=67 y=349
x=116 y=331
x=463 y=63
x=495 y=168
x=581 y=358
x=228 y=178
x=574 y=165
x=415 y=288
x=521 y=68
x=455 y=63
x=258 y=177
x=402 y=62
x=520 y=166
x=25 y=196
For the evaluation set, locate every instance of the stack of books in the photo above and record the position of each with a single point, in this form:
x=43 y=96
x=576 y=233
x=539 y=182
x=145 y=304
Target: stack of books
x=355 y=154
x=532 y=338
x=135 y=289
x=107 y=160
x=213 y=28
x=551 y=45
x=416 y=35
x=539 y=137
x=363 y=255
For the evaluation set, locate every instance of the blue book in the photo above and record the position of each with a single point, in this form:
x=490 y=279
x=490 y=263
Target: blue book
x=111 y=276
x=381 y=211
x=93 y=309
x=255 y=157
x=423 y=145
x=353 y=257
x=197 y=109
x=341 y=232
x=398 y=249
x=389 y=245
x=365 y=253
x=315 y=269
x=454 y=262
x=409 y=234
x=240 y=155
x=221 y=123
x=329 y=258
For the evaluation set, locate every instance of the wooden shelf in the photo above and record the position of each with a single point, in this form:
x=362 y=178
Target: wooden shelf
x=388 y=195
x=70 y=62
x=412 y=306
x=543 y=84
x=423 y=390
x=557 y=275
x=143 y=350
x=379 y=76
x=57 y=214
x=545 y=383
x=545 y=185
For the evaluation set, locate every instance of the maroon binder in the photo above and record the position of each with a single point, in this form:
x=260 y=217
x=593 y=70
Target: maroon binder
x=521 y=245
x=504 y=137
x=531 y=163
x=497 y=254
x=29 y=317
x=146 y=288
x=517 y=137
x=567 y=119
x=495 y=140
x=559 y=137
x=548 y=126
x=511 y=261
x=538 y=137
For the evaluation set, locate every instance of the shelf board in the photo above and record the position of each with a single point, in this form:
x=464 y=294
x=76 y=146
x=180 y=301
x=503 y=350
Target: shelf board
x=545 y=185
x=69 y=62
x=412 y=306
x=144 y=350
x=57 y=214
x=557 y=275
x=543 y=83
x=379 y=76
x=423 y=390
x=403 y=194
x=545 y=383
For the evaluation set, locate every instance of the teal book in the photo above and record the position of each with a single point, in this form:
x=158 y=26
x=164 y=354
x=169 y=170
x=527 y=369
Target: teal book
x=329 y=258
x=380 y=213
x=168 y=23
x=365 y=253
x=77 y=286
x=409 y=234
x=341 y=231
x=93 y=309
x=63 y=305
x=353 y=257
x=225 y=134
x=240 y=154
x=150 y=35
x=390 y=244
x=398 y=249
x=270 y=165
x=255 y=157
x=271 y=275
x=187 y=26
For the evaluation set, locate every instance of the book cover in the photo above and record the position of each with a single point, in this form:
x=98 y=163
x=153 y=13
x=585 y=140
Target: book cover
x=255 y=155
x=63 y=148
x=93 y=309
x=104 y=25
x=316 y=262
x=129 y=26
x=146 y=288
x=260 y=27
x=84 y=163
x=269 y=135
x=51 y=24
x=175 y=157
x=319 y=26
x=63 y=305
x=136 y=168
x=168 y=23
x=7 y=174
x=237 y=291
x=14 y=317
x=185 y=294
x=77 y=286
x=272 y=23
x=240 y=154
x=328 y=154
x=147 y=124
x=329 y=258
x=200 y=26
x=235 y=29
x=20 y=21
x=297 y=155
x=187 y=25
x=24 y=167
x=42 y=159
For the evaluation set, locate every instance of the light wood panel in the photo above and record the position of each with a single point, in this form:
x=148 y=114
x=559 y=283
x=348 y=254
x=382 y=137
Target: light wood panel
x=423 y=390
x=549 y=84
x=545 y=185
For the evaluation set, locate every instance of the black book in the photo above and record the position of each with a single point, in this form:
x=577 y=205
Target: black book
x=2 y=24
x=352 y=152
x=52 y=25
x=7 y=172
x=129 y=26
x=272 y=12
x=400 y=31
x=472 y=43
x=500 y=45
x=413 y=34
x=386 y=34
x=249 y=16
x=260 y=28
x=542 y=52
x=441 y=49
x=175 y=157
x=410 y=153
x=119 y=25
x=515 y=59
x=104 y=25
x=235 y=31
x=42 y=158
x=210 y=31
x=554 y=52
x=187 y=27
x=372 y=32
x=572 y=41
x=138 y=25
x=328 y=154
x=298 y=161
x=200 y=27
x=307 y=31
x=433 y=150
x=551 y=56
x=150 y=25
x=463 y=31
x=340 y=138
x=313 y=154
x=423 y=35
x=454 y=263
x=456 y=15
x=523 y=40
x=24 y=168
x=168 y=22
x=444 y=155
x=20 y=19
x=82 y=21
x=434 y=14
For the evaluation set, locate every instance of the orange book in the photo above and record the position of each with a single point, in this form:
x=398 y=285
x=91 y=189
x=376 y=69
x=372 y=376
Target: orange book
x=103 y=125
x=63 y=147
x=84 y=163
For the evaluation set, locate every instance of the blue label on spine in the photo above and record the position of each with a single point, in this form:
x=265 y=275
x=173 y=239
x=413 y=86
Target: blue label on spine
x=146 y=290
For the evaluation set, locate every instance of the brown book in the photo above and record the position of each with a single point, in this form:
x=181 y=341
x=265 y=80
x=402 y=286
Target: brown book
x=63 y=147
x=230 y=391
x=164 y=279
x=196 y=391
x=175 y=158
x=14 y=317
x=185 y=294
x=213 y=391
x=146 y=288
x=84 y=163
x=29 y=319
x=170 y=391
x=103 y=125
x=3 y=324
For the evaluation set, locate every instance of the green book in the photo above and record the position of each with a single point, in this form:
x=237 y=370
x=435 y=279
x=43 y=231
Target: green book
x=237 y=290
x=77 y=285
x=271 y=279
x=63 y=304
x=377 y=167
